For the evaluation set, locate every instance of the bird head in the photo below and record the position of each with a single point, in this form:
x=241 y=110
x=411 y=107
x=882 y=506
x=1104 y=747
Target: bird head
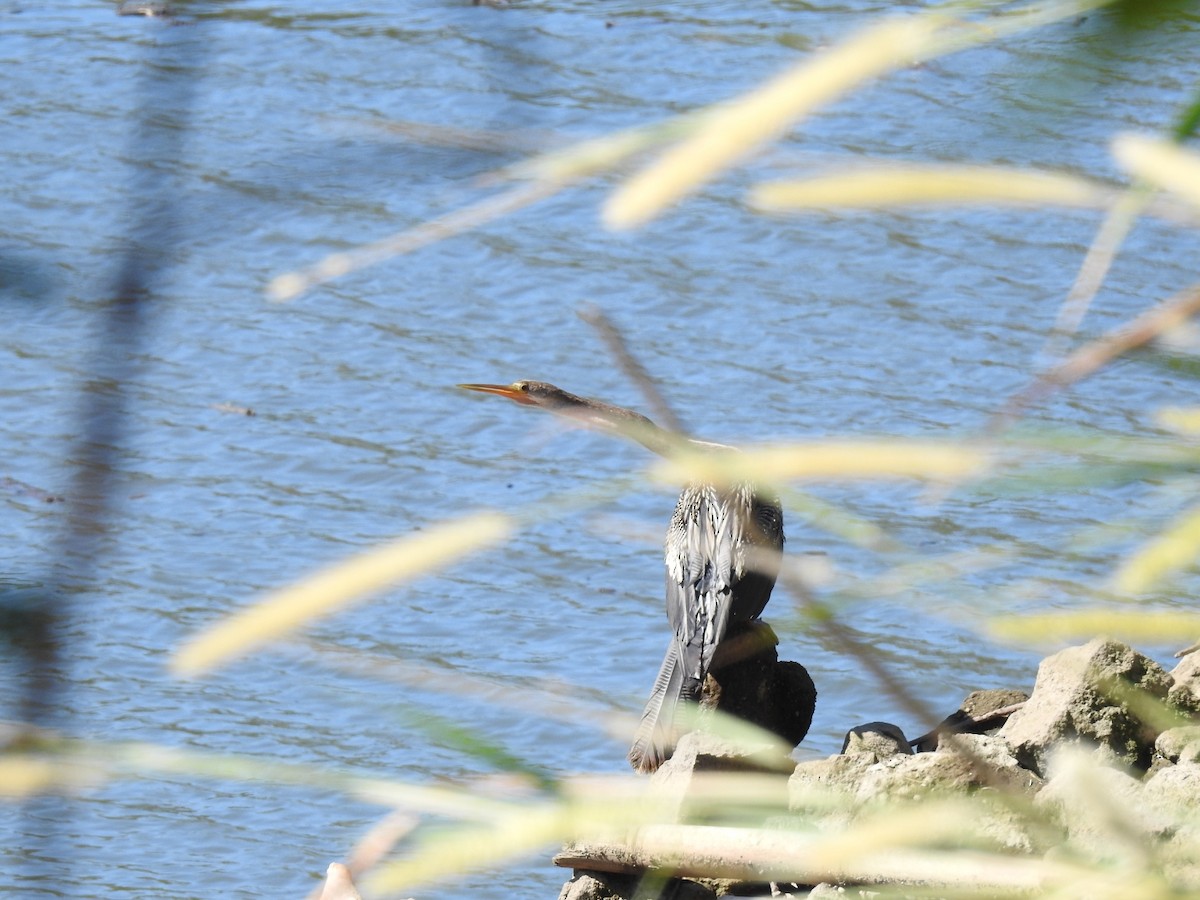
x=530 y=393
x=590 y=413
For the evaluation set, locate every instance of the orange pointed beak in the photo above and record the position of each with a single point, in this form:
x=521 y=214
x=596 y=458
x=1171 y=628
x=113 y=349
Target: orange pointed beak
x=501 y=390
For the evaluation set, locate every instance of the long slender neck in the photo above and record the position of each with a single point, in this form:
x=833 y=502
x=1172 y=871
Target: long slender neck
x=633 y=425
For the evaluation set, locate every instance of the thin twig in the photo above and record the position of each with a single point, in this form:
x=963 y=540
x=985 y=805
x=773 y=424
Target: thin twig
x=374 y=846
x=1122 y=216
x=632 y=367
x=1092 y=356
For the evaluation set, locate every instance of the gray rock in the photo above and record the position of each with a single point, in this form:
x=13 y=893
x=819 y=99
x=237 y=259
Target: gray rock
x=699 y=751
x=585 y=887
x=880 y=739
x=1179 y=744
x=813 y=782
x=1174 y=793
x=968 y=762
x=976 y=764
x=1102 y=810
x=965 y=763
x=603 y=886
x=1082 y=696
x=1185 y=684
x=827 y=891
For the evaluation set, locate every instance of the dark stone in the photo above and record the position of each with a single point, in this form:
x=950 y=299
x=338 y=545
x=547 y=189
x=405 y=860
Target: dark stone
x=755 y=686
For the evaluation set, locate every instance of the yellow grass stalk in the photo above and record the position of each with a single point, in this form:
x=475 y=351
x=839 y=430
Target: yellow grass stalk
x=931 y=184
x=767 y=112
x=340 y=585
x=1180 y=419
x=1171 y=550
x=1131 y=625
x=1160 y=162
x=829 y=460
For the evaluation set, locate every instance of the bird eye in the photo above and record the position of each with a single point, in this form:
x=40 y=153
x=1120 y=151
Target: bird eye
x=522 y=386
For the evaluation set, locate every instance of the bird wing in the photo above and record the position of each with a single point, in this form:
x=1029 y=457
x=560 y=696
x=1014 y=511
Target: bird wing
x=703 y=558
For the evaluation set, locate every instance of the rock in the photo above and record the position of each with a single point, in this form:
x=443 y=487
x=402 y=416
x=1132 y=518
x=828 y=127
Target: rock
x=754 y=685
x=1179 y=744
x=880 y=739
x=1082 y=697
x=970 y=762
x=827 y=891
x=701 y=751
x=1175 y=791
x=1174 y=794
x=1184 y=692
x=965 y=764
x=973 y=716
x=813 y=781
x=604 y=886
x=1101 y=809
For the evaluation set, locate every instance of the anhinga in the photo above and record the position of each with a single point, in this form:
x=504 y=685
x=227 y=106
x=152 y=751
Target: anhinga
x=714 y=586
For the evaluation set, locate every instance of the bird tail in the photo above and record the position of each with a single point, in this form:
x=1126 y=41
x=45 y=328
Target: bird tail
x=654 y=739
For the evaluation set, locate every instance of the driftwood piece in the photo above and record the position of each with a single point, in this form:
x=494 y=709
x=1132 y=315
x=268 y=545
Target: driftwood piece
x=980 y=712
x=757 y=855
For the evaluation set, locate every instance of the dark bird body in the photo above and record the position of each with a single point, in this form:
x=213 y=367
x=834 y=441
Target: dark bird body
x=715 y=586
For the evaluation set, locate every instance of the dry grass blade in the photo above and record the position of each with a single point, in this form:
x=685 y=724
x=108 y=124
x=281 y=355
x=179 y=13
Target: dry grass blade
x=829 y=460
x=732 y=132
x=588 y=808
x=1091 y=357
x=1182 y=420
x=1119 y=221
x=467 y=802
x=942 y=185
x=1162 y=163
x=598 y=155
x=543 y=698
x=480 y=140
x=1147 y=626
x=1172 y=550
x=339 y=585
x=24 y=775
x=531 y=827
x=290 y=285
x=57 y=764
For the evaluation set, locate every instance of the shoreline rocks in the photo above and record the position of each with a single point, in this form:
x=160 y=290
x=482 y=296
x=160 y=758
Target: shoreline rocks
x=1100 y=762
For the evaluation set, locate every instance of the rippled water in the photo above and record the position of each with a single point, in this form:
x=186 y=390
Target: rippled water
x=915 y=324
